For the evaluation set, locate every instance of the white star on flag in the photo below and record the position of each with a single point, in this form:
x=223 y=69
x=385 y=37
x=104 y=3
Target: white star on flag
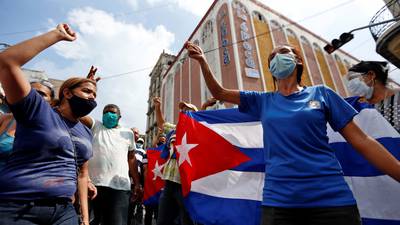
x=157 y=170
x=184 y=150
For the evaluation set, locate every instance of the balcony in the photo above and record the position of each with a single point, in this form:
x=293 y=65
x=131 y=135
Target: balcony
x=387 y=35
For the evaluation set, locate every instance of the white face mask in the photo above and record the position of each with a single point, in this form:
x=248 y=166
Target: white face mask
x=358 y=87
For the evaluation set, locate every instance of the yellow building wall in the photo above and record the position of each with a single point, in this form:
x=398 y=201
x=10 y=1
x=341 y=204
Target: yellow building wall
x=265 y=47
x=324 y=68
x=294 y=41
x=342 y=67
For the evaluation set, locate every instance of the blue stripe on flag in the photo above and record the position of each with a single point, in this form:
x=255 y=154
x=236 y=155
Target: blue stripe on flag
x=256 y=164
x=153 y=200
x=222 y=116
x=353 y=164
x=367 y=221
x=214 y=210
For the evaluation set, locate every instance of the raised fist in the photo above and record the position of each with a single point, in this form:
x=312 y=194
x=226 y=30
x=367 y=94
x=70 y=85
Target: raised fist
x=194 y=51
x=66 y=32
x=157 y=101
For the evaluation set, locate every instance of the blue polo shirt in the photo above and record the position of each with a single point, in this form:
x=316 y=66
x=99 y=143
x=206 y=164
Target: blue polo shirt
x=42 y=164
x=301 y=167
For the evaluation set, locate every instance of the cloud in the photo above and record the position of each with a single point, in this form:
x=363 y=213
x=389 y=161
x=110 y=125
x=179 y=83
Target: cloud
x=114 y=47
x=133 y=3
x=196 y=7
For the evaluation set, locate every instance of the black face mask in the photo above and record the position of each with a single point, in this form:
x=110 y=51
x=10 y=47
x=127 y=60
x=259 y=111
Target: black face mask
x=81 y=107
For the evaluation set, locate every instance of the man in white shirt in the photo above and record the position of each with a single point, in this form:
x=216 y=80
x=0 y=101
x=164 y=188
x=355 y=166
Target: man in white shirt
x=113 y=160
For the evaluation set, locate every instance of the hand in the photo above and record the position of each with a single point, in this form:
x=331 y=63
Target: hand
x=137 y=193
x=211 y=101
x=92 y=74
x=66 y=32
x=92 y=191
x=157 y=101
x=85 y=223
x=194 y=51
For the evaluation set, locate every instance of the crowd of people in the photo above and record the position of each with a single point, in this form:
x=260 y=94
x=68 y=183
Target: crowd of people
x=60 y=166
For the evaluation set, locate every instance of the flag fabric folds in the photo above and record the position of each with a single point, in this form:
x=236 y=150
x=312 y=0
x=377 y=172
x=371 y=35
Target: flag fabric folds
x=220 y=154
x=153 y=183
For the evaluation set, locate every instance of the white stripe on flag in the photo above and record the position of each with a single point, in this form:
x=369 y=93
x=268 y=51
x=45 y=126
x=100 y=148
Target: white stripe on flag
x=377 y=197
x=231 y=184
x=371 y=122
x=244 y=135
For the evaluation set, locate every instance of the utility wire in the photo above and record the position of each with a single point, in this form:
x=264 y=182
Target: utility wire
x=116 y=15
x=252 y=37
x=126 y=73
x=238 y=42
x=286 y=25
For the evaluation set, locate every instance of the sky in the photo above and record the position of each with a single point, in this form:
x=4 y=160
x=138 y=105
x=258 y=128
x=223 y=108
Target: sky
x=122 y=36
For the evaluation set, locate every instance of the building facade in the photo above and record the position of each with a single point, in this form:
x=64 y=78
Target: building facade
x=163 y=63
x=34 y=75
x=237 y=37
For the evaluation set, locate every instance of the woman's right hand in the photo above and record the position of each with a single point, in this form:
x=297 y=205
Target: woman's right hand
x=66 y=32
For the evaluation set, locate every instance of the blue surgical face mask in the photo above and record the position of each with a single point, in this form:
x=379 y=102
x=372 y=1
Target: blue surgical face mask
x=110 y=120
x=358 y=87
x=282 y=65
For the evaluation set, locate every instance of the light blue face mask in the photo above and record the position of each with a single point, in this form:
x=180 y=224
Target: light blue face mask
x=110 y=120
x=282 y=65
x=358 y=87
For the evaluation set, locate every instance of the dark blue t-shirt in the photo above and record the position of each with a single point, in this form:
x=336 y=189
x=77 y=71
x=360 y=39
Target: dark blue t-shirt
x=42 y=164
x=301 y=167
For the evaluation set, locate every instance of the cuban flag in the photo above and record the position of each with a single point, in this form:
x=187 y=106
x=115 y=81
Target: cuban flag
x=153 y=183
x=220 y=155
x=377 y=194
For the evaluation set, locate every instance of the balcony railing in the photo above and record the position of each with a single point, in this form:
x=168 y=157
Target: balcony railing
x=389 y=12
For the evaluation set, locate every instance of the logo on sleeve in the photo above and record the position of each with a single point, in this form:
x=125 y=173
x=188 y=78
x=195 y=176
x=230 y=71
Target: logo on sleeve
x=314 y=104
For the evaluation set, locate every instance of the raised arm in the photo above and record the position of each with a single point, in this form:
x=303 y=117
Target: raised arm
x=219 y=92
x=372 y=150
x=12 y=59
x=159 y=115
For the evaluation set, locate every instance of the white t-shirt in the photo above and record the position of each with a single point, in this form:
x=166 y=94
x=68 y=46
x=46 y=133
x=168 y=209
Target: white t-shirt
x=109 y=165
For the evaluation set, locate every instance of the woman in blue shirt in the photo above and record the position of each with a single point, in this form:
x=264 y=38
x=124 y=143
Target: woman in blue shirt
x=51 y=147
x=304 y=182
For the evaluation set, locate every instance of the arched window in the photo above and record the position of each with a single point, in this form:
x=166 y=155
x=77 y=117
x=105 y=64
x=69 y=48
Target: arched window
x=207 y=31
x=259 y=16
x=291 y=33
x=275 y=25
x=304 y=40
x=316 y=46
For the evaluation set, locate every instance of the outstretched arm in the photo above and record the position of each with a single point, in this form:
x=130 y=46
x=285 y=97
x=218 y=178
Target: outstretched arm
x=372 y=150
x=219 y=92
x=12 y=59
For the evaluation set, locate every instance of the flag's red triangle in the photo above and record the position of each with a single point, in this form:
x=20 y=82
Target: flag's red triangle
x=153 y=186
x=211 y=155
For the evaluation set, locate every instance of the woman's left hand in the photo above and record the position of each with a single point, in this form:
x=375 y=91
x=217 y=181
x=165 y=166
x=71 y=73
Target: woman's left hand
x=92 y=191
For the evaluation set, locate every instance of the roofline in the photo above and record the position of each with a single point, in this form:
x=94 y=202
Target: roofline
x=262 y=6
x=158 y=61
x=299 y=26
